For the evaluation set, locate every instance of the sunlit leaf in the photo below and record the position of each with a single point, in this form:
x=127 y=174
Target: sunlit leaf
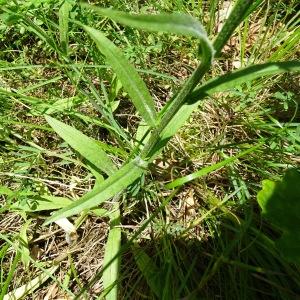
x=23 y=244
x=111 y=261
x=131 y=80
x=63 y=15
x=40 y=203
x=114 y=184
x=176 y=23
x=248 y=74
x=84 y=145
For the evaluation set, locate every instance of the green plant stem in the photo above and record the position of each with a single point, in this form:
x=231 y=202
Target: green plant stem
x=178 y=102
x=236 y=17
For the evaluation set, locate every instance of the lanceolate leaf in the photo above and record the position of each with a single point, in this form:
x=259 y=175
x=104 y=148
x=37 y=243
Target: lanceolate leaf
x=176 y=23
x=106 y=189
x=40 y=203
x=131 y=81
x=222 y=84
x=87 y=147
x=91 y=150
x=63 y=15
x=111 y=261
x=229 y=81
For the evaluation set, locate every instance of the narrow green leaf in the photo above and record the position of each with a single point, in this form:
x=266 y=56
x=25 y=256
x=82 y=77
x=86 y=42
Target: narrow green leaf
x=149 y=270
x=39 y=265
x=290 y=45
x=87 y=147
x=38 y=85
x=106 y=189
x=176 y=23
x=100 y=212
x=131 y=81
x=209 y=169
x=63 y=15
x=10 y=275
x=30 y=286
x=90 y=150
x=232 y=80
x=171 y=23
x=222 y=84
x=142 y=134
x=45 y=36
x=237 y=15
x=64 y=104
x=23 y=244
x=111 y=261
x=44 y=202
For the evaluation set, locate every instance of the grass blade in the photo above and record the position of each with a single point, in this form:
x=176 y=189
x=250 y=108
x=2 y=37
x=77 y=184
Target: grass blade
x=63 y=15
x=288 y=46
x=106 y=189
x=44 y=35
x=175 y=23
x=10 y=274
x=111 y=262
x=44 y=202
x=131 y=81
x=209 y=169
x=29 y=287
x=149 y=270
x=36 y=86
x=87 y=147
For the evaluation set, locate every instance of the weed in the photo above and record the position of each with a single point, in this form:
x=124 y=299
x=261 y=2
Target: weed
x=129 y=149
